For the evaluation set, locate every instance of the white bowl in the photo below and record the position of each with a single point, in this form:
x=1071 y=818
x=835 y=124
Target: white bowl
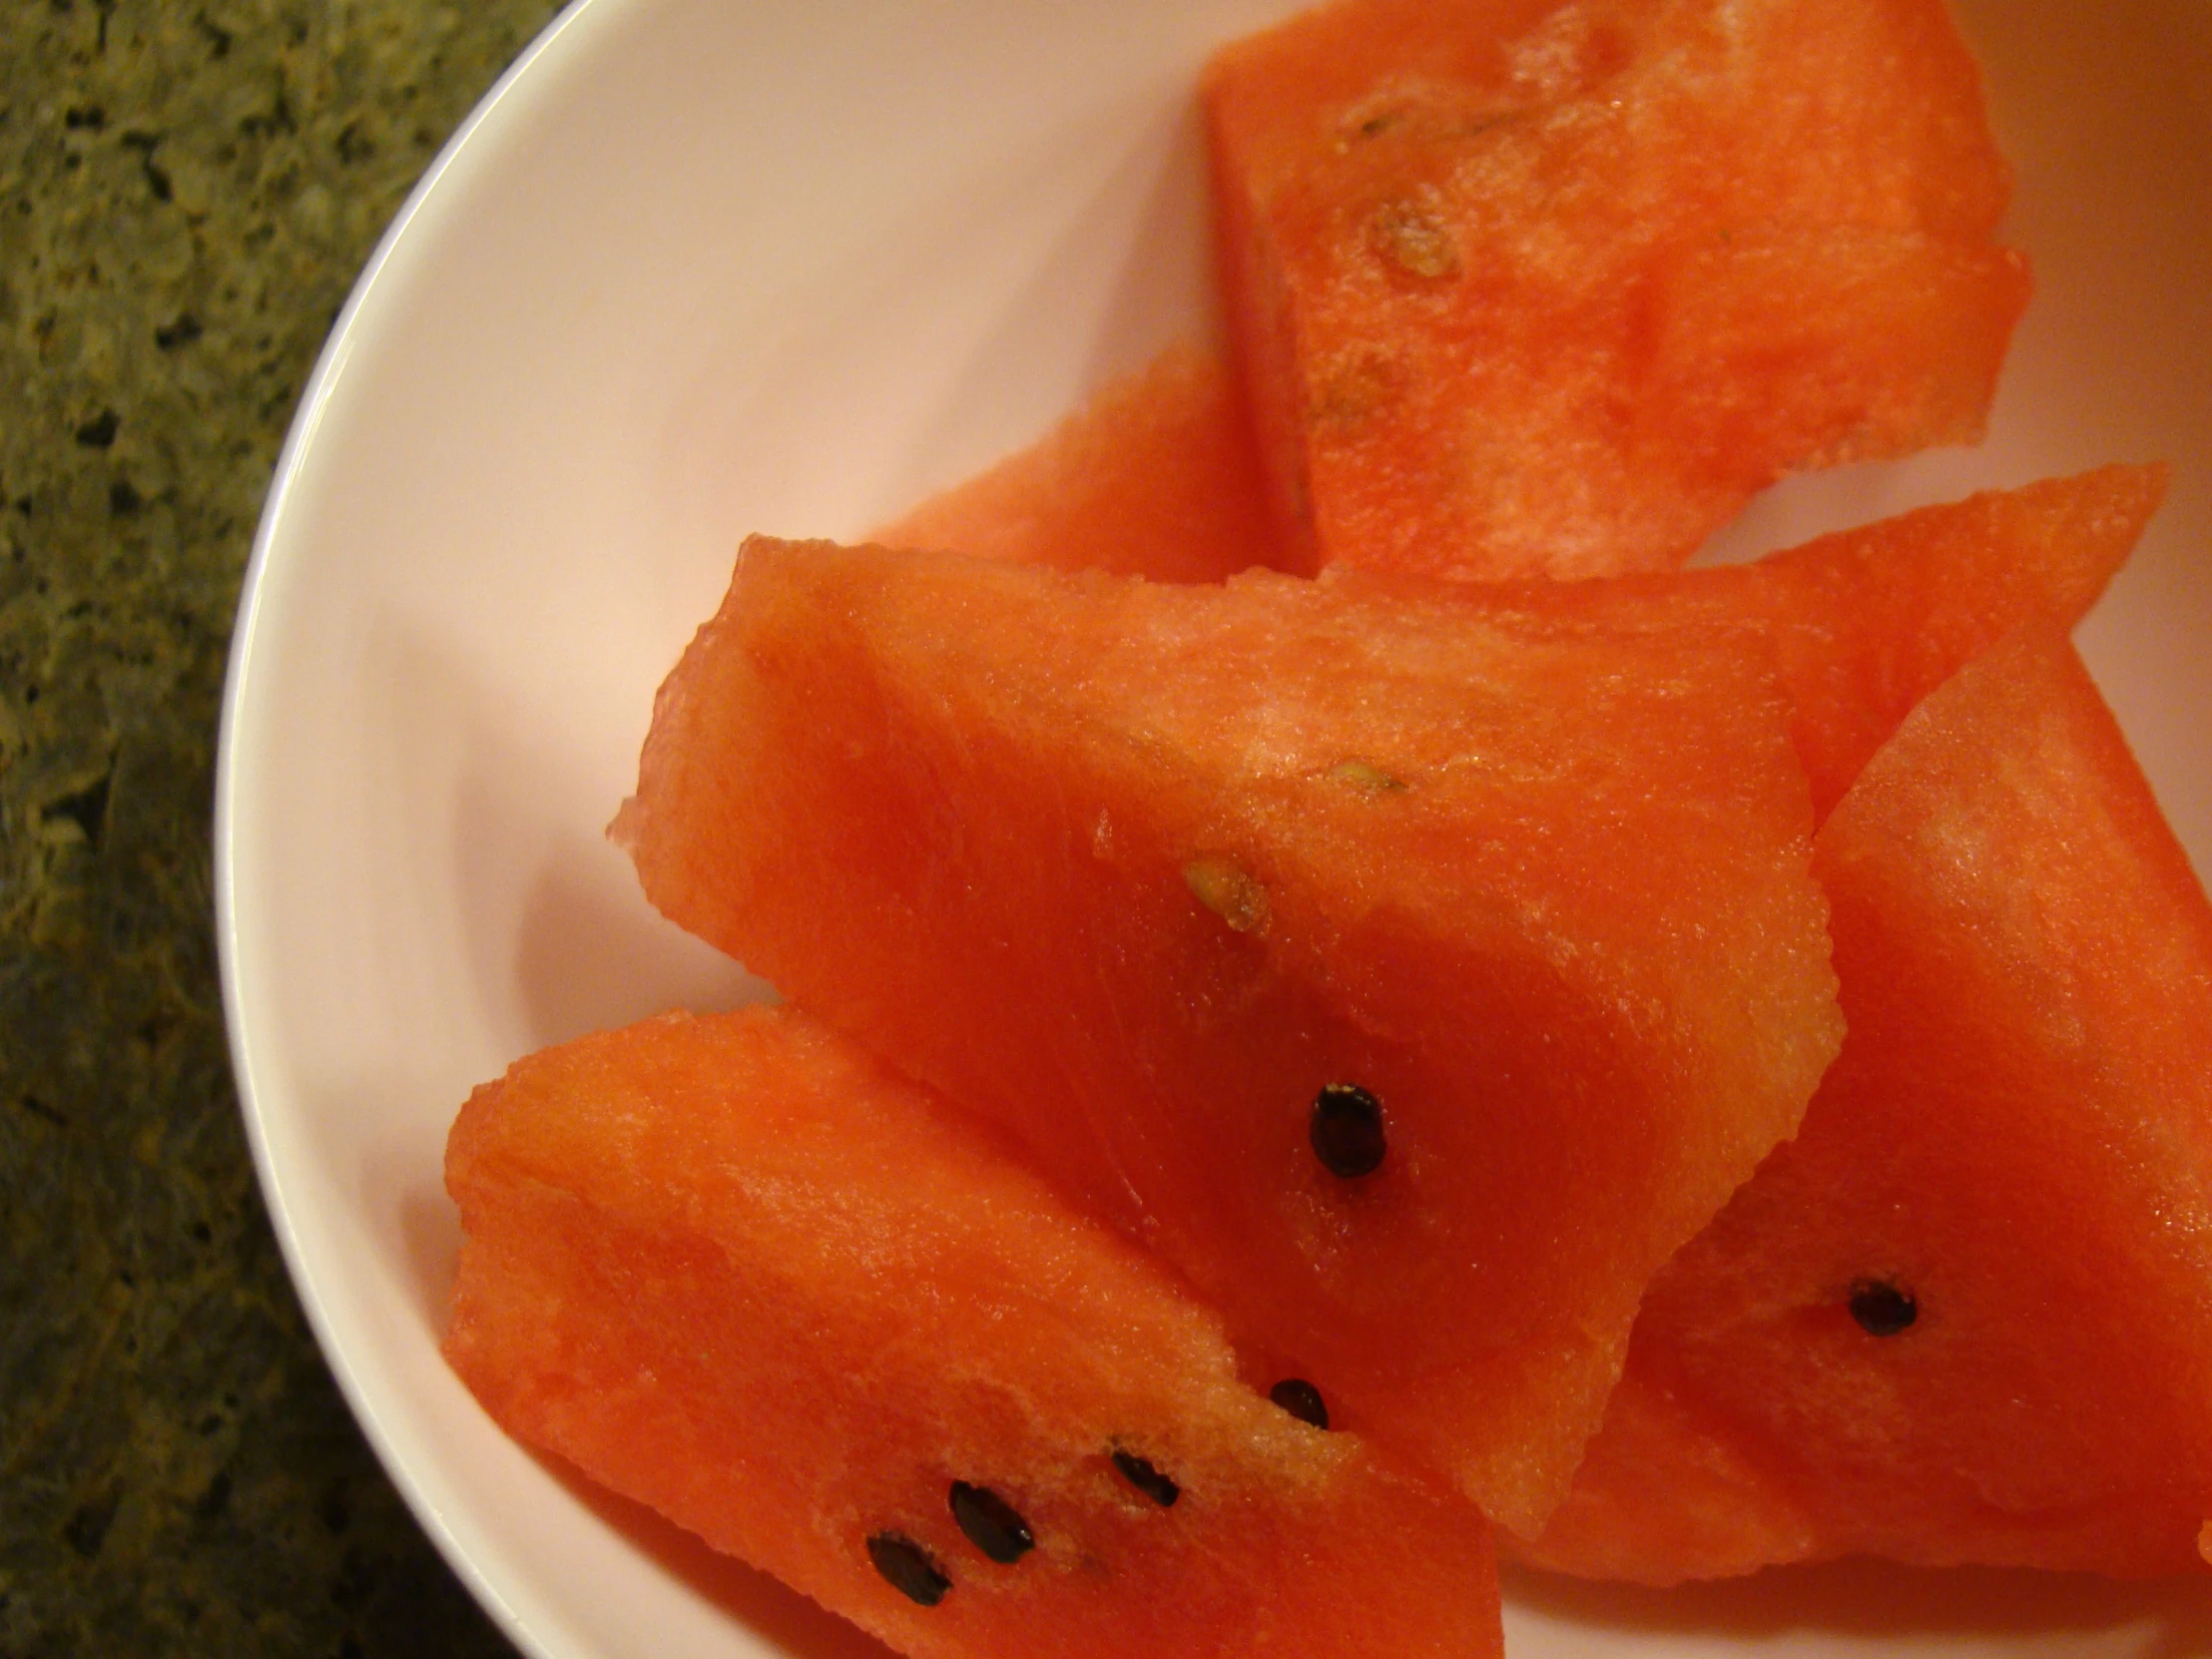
x=697 y=267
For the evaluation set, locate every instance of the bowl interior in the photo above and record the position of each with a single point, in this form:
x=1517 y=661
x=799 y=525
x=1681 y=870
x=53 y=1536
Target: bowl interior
x=698 y=269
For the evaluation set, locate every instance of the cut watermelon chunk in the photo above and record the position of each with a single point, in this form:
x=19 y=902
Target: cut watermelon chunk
x=1157 y=476
x=1966 y=1316
x=1212 y=896
x=731 y=1268
x=1867 y=622
x=1523 y=288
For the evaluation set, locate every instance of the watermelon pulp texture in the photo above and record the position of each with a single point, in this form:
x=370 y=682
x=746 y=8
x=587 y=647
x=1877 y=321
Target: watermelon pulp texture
x=1962 y=1317
x=733 y=1267
x=1139 y=872
x=1156 y=476
x=1523 y=286
x=1867 y=622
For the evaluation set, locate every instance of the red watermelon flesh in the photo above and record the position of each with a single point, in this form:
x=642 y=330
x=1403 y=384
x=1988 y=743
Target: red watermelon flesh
x=733 y=1267
x=1867 y=622
x=1966 y=1314
x=1157 y=476
x=1141 y=872
x=1522 y=287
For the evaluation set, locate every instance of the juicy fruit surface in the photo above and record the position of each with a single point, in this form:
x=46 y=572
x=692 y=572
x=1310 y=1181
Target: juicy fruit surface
x=1528 y=288
x=1157 y=476
x=733 y=1269
x=2013 y=1152
x=1137 y=872
x=1867 y=622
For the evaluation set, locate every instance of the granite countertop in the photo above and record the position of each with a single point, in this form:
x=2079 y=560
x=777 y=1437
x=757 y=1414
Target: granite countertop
x=185 y=195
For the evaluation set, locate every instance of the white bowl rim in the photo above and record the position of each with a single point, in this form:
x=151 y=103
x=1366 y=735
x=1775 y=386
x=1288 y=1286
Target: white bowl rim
x=497 y=106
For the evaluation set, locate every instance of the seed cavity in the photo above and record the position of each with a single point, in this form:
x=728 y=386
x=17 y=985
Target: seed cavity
x=1347 y=1131
x=1302 y=1399
x=1228 y=893
x=1881 y=1309
x=1414 y=240
x=908 y=1568
x=1364 y=777
x=1350 y=388
x=1370 y=126
x=992 y=1525
x=1147 y=1479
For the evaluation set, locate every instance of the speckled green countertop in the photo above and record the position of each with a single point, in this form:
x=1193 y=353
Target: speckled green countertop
x=187 y=191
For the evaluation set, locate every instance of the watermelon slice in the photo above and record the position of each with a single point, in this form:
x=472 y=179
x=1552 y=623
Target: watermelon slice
x=733 y=1269
x=1966 y=1316
x=1157 y=476
x=1416 y=980
x=1867 y=622
x=1524 y=287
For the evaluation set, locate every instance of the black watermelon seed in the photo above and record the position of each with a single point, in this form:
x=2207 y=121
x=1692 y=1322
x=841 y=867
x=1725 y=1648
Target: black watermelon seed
x=909 y=1568
x=1147 y=1479
x=994 y=1525
x=1881 y=1309
x=1347 y=1131
x=1302 y=1399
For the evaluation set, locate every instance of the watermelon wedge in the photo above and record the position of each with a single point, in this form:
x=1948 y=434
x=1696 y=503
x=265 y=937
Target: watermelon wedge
x=1415 y=981
x=1533 y=288
x=1966 y=1314
x=1156 y=476
x=1867 y=622
x=733 y=1269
